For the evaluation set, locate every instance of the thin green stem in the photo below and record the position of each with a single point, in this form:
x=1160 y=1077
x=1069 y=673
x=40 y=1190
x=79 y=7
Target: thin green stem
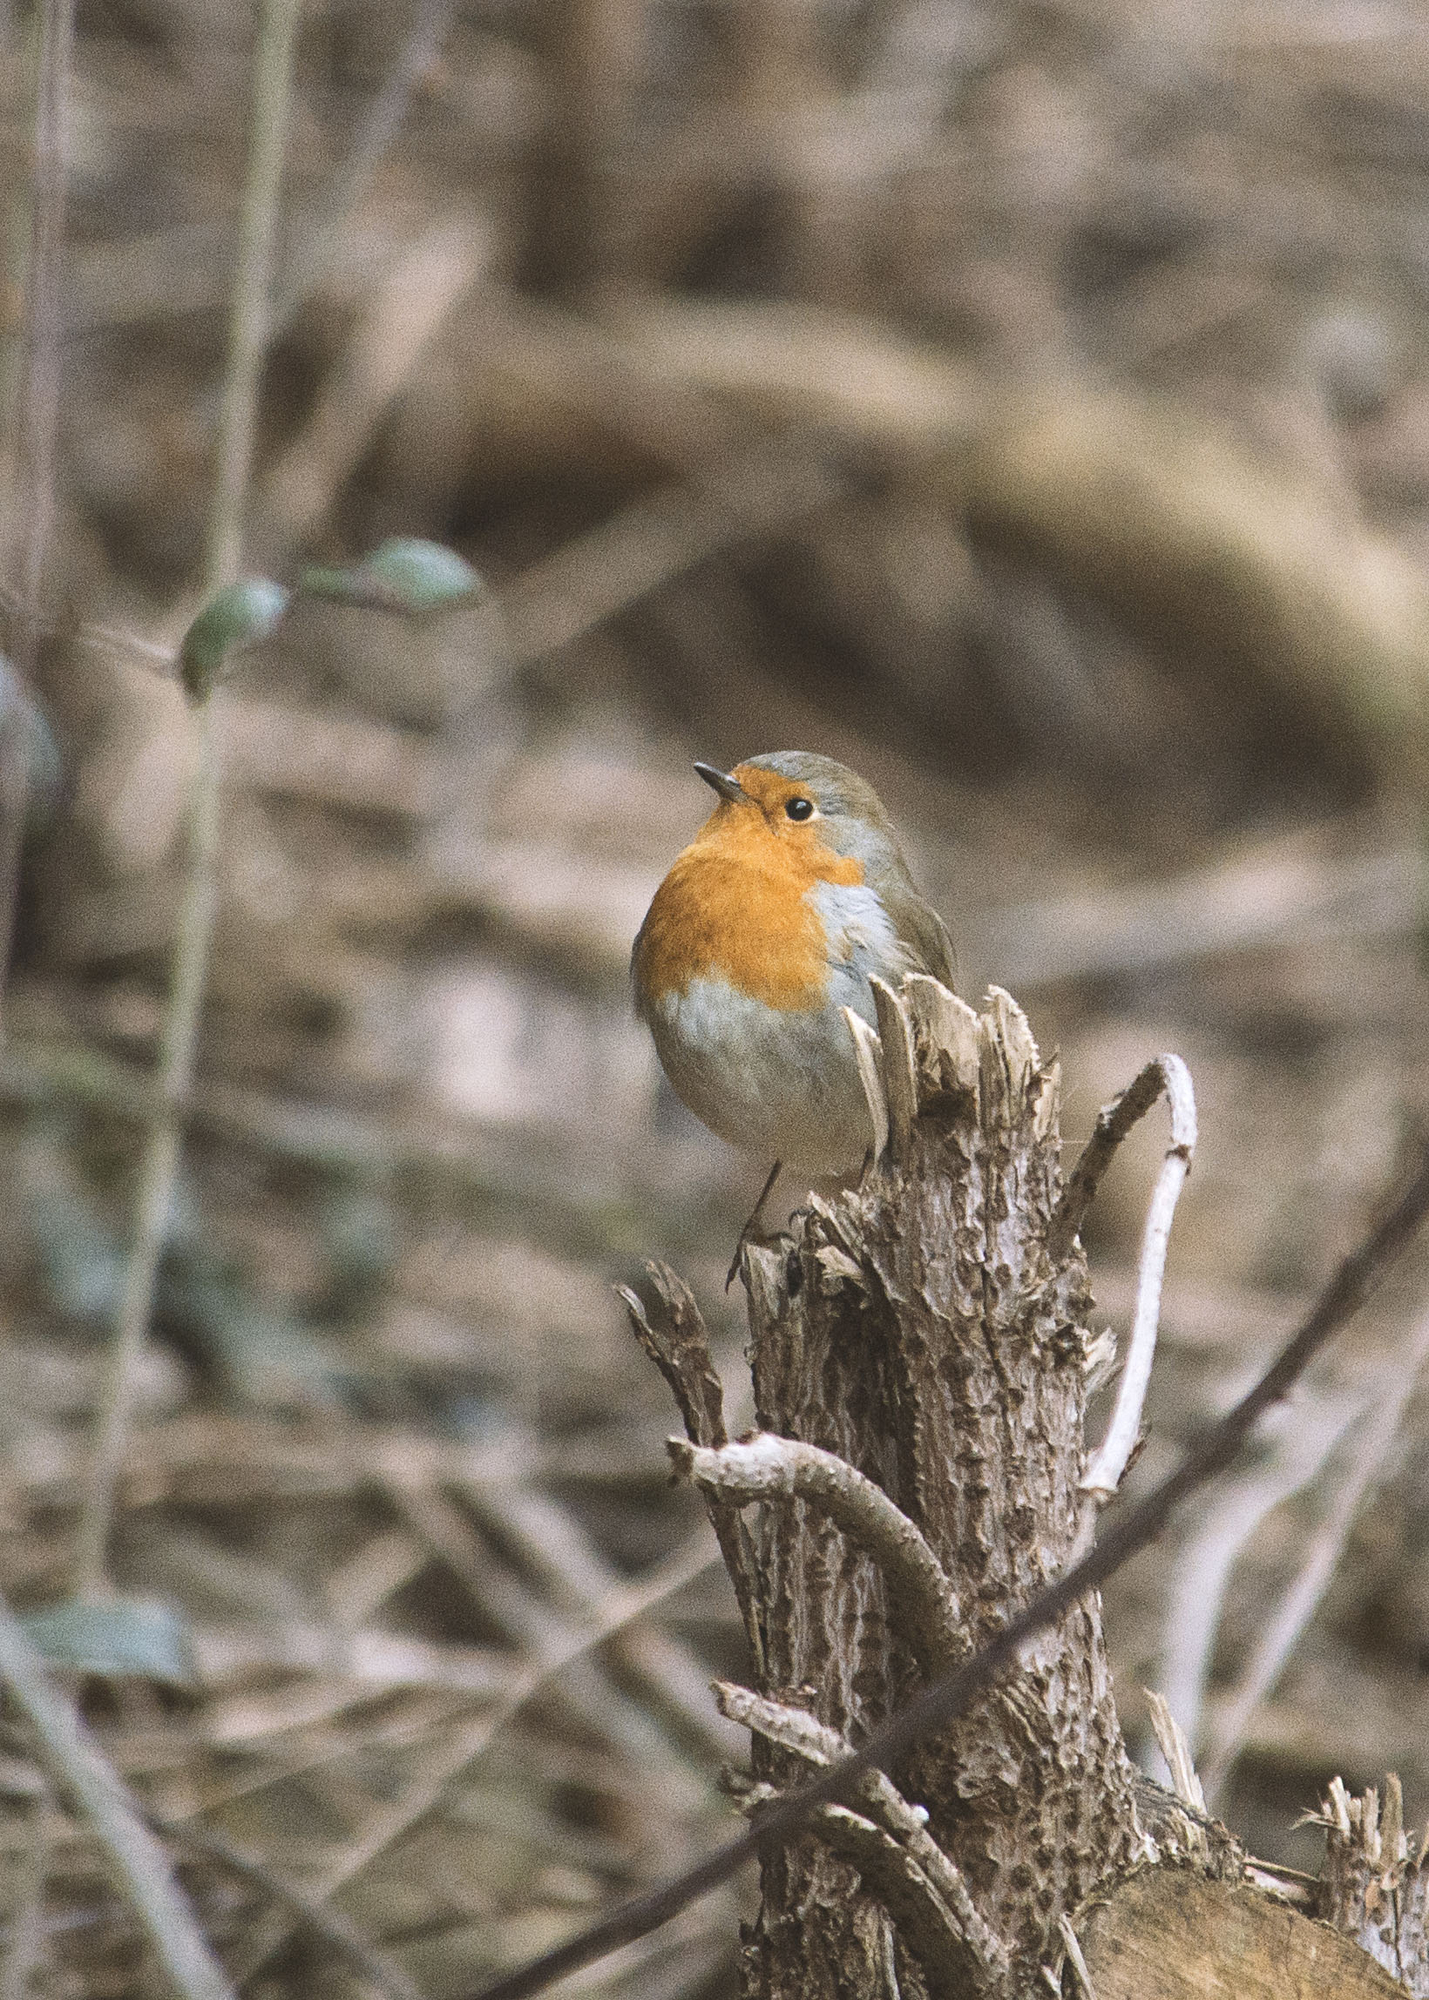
x=160 y=1165
x=19 y=58
x=249 y=322
x=248 y=339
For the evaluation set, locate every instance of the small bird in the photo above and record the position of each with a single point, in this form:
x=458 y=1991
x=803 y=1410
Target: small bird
x=790 y=897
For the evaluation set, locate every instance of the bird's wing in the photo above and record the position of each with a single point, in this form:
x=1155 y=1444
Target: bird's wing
x=928 y=941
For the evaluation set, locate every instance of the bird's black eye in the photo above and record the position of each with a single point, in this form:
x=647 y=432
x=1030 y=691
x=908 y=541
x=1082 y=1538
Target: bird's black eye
x=800 y=808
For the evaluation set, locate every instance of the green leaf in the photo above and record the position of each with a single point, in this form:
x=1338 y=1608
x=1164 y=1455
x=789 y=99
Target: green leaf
x=235 y=618
x=423 y=576
x=133 y=1636
x=405 y=574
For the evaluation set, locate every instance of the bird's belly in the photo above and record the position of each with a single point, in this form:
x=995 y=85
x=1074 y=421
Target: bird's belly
x=782 y=1083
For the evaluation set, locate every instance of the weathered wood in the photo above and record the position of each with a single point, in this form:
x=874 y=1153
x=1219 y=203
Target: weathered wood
x=940 y=1351
x=1171 y=1934
x=920 y=1356
x=1373 y=1886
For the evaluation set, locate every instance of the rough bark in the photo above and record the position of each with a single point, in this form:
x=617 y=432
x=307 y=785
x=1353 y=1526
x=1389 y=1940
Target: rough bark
x=920 y=1356
x=919 y=1328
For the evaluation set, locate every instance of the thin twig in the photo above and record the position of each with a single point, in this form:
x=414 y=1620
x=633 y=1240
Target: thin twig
x=35 y=486
x=79 y=1767
x=1297 y=1606
x=591 y=577
x=247 y=342
x=775 y=1468
x=1103 y=1475
x=948 y=1697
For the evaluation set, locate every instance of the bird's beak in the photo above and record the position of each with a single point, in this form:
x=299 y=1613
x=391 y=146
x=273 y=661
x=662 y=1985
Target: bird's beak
x=722 y=782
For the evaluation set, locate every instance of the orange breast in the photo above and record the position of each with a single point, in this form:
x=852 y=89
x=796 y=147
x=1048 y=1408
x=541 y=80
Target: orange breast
x=733 y=906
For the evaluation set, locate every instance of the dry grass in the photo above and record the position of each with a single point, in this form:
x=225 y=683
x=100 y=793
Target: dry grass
x=1028 y=404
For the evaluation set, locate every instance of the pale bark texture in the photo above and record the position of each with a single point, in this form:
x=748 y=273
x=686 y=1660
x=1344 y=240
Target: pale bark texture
x=921 y=1359
x=920 y=1329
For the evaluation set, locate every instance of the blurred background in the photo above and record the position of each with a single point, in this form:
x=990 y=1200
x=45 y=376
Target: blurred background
x=1025 y=403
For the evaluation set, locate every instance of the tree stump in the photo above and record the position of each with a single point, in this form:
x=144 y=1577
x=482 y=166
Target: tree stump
x=922 y=1359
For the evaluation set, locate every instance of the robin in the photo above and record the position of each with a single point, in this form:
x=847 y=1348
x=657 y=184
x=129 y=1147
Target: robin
x=790 y=897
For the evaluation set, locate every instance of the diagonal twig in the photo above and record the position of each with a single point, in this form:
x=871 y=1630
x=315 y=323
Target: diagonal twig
x=947 y=1697
x=322 y=229
x=1113 y=1123
x=1204 y=1562
x=330 y=1926
x=450 y=1760
x=1373 y=1440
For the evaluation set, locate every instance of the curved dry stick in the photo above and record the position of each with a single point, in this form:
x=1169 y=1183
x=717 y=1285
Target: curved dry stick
x=920 y=1598
x=795 y=1730
x=1167 y=1075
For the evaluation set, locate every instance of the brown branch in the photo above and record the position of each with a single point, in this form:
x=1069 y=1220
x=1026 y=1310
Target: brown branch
x=918 y=1911
x=948 y=1697
x=1114 y=1121
x=795 y=1730
x=678 y=1344
x=775 y=1468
